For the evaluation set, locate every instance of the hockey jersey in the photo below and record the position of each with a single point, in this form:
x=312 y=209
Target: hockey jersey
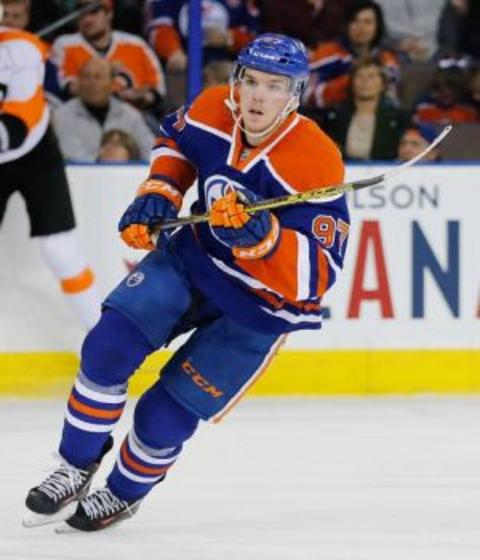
x=168 y=23
x=24 y=113
x=330 y=66
x=281 y=292
x=134 y=63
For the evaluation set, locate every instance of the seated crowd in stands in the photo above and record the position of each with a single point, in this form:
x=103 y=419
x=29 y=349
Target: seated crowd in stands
x=386 y=75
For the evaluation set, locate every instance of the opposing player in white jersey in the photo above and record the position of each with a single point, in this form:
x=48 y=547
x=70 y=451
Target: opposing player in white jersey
x=31 y=163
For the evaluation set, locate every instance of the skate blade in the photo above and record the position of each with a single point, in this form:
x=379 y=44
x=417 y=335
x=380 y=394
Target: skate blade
x=33 y=519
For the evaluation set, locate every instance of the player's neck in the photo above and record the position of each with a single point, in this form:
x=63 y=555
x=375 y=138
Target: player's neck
x=255 y=141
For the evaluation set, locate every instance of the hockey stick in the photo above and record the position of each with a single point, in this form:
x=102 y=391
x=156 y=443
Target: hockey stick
x=68 y=18
x=315 y=194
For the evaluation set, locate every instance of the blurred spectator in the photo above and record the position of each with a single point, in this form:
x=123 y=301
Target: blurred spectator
x=227 y=25
x=311 y=21
x=81 y=122
x=368 y=126
x=446 y=101
x=217 y=72
x=414 y=140
x=331 y=62
x=459 y=27
x=412 y=26
x=138 y=76
x=118 y=145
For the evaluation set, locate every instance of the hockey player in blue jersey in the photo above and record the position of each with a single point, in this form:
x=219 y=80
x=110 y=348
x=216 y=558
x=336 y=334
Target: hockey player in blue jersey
x=240 y=281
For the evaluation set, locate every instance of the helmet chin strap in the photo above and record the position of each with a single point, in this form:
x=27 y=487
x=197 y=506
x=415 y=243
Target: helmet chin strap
x=291 y=105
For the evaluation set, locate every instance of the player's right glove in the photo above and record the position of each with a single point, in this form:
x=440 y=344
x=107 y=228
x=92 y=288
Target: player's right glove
x=156 y=201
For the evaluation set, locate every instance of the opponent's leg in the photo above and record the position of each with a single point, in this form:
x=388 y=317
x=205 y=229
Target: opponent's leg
x=161 y=426
x=62 y=255
x=49 y=206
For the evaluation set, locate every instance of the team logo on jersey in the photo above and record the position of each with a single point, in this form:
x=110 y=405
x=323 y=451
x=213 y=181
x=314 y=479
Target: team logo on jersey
x=135 y=279
x=217 y=186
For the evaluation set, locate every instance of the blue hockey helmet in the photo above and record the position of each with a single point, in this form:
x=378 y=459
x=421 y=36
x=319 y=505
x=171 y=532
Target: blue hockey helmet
x=276 y=54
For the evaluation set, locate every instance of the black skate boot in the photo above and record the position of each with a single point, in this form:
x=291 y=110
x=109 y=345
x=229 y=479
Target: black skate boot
x=48 y=502
x=100 y=510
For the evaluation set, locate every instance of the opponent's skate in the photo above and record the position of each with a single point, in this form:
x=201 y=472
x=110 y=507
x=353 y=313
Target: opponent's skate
x=99 y=510
x=55 y=498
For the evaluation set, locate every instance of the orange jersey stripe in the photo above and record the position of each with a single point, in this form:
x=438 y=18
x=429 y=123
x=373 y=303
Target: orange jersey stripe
x=309 y=159
x=95 y=412
x=323 y=273
x=210 y=109
x=137 y=466
x=78 y=283
x=278 y=271
x=179 y=170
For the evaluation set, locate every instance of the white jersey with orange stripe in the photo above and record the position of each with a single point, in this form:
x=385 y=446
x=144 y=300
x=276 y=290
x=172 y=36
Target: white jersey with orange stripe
x=24 y=113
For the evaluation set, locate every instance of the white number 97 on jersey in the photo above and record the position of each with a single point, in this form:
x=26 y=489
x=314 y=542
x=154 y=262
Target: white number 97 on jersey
x=326 y=229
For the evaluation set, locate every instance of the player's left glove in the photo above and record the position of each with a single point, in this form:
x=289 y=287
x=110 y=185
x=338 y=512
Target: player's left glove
x=156 y=201
x=250 y=236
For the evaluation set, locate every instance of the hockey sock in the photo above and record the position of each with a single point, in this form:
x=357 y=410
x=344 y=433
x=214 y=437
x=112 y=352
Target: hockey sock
x=111 y=352
x=63 y=256
x=161 y=426
x=92 y=413
x=139 y=468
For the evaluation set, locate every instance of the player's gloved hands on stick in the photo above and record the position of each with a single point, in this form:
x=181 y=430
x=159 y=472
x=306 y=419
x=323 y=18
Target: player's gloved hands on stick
x=250 y=236
x=156 y=201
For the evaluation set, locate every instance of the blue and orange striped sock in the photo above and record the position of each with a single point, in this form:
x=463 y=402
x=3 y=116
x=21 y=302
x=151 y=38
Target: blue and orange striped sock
x=139 y=468
x=92 y=413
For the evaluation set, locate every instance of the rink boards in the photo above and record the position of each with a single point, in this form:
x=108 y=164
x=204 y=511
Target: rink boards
x=404 y=317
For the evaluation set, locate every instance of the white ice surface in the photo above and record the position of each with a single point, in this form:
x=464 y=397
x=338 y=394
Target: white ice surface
x=336 y=479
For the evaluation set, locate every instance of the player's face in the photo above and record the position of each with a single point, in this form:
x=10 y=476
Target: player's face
x=262 y=98
x=362 y=29
x=16 y=15
x=95 y=23
x=412 y=144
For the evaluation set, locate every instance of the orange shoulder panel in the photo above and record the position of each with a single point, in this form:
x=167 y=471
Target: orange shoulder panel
x=308 y=158
x=209 y=108
x=17 y=34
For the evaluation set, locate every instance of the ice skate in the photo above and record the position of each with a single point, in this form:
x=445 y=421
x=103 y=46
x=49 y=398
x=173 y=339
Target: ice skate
x=55 y=498
x=98 y=511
